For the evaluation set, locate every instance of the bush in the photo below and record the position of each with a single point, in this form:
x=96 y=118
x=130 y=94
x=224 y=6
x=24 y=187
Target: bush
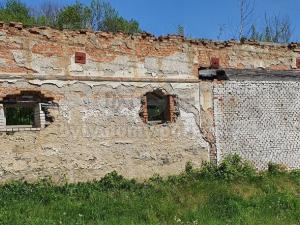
x=230 y=168
x=156 y=178
x=188 y=198
x=295 y=175
x=189 y=167
x=113 y=181
x=275 y=169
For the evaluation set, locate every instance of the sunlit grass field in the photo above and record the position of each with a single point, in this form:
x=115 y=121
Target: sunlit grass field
x=231 y=193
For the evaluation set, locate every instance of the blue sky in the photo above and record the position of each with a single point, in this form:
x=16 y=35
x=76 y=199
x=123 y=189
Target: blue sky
x=201 y=18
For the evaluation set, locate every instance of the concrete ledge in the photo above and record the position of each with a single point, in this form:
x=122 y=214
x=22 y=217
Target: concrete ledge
x=14 y=129
x=97 y=79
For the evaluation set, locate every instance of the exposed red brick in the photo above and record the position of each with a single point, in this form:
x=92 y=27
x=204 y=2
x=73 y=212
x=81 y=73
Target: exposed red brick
x=80 y=57
x=103 y=47
x=298 y=63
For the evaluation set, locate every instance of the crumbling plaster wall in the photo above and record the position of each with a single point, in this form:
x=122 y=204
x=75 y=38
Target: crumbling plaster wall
x=259 y=120
x=47 y=53
x=97 y=129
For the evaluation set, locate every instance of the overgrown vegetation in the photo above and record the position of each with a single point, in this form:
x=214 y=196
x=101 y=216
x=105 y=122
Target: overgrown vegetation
x=231 y=193
x=100 y=15
x=276 y=29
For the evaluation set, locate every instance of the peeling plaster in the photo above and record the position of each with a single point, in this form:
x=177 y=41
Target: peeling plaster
x=96 y=127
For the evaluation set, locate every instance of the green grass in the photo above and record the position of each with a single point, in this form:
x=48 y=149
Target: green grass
x=232 y=193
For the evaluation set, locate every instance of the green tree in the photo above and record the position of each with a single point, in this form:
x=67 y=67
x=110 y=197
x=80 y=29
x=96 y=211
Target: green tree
x=15 y=10
x=76 y=16
x=99 y=16
x=106 y=18
x=116 y=24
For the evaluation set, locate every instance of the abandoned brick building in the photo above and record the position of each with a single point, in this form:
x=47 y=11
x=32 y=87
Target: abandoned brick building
x=76 y=105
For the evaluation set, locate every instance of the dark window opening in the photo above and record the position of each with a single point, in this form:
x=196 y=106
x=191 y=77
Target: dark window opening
x=212 y=74
x=158 y=107
x=19 y=115
x=28 y=110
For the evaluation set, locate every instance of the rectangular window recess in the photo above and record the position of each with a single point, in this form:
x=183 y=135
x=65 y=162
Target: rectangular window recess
x=24 y=112
x=159 y=108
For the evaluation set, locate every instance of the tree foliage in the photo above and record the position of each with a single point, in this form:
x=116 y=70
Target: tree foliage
x=100 y=15
x=14 y=10
x=106 y=18
x=120 y=24
x=76 y=16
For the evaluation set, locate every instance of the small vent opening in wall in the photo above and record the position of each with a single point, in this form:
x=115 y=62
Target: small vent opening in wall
x=298 y=63
x=215 y=63
x=80 y=57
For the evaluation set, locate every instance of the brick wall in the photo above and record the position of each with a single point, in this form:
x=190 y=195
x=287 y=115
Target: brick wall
x=45 y=53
